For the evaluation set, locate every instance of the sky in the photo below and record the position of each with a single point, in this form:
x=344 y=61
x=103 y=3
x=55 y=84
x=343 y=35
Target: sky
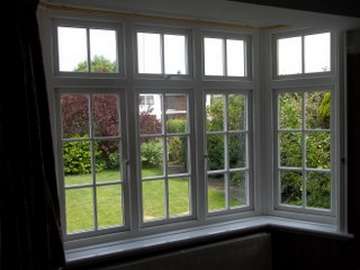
x=73 y=46
x=73 y=50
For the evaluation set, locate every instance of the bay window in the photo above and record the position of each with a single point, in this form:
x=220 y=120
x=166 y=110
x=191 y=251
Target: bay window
x=161 y=128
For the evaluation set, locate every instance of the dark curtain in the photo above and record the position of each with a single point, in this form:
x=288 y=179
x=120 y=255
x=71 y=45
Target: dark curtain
x=31 y=236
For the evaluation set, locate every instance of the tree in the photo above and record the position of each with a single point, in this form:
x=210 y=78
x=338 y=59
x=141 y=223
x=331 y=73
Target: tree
x=98 y=64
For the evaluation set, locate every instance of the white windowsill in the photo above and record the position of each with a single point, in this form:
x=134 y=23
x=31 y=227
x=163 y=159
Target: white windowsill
x=163 y=239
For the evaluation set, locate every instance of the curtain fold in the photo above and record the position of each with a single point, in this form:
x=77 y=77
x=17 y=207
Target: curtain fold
x=31 y=234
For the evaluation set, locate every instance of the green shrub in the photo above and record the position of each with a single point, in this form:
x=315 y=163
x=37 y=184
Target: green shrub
x=151 y=153
x=176 y=125
x=215 y=145
x=77 y=158
x=177 y=149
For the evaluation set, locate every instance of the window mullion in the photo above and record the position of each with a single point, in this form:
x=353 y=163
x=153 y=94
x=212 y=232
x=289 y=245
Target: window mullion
x=88 y=49
x=226 y=153
x=224 y=57
x=302 y=54
x=163 y=116
x=162 y=54
x=303 y=149
x=93 y=164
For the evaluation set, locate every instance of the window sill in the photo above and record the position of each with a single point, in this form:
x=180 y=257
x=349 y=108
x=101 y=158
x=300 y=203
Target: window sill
x=181 y=238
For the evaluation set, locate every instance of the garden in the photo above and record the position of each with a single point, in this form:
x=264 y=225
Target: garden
x=304 y=156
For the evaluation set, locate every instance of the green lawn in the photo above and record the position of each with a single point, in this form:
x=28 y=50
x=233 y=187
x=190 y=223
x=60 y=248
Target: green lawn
x=79 y=202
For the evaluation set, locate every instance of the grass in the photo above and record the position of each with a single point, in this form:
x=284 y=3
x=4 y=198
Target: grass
x=80 y=208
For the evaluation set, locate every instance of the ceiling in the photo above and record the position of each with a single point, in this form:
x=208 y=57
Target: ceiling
x=245 y=14
x=343 y=7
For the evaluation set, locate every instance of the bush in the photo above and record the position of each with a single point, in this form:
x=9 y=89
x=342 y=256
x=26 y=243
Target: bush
x=77 y=158
x=177 y=145
x=151 y=153
x=176 y=125
x=317 y=148
x=177 y=150
x=148 y=123
x=215 y=146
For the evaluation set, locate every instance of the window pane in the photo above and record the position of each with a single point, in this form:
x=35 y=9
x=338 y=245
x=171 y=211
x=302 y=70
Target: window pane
x=149 y=53
x=153 y=200
x=236 y=112
x=214 y=56
x=290 y=149
x=215 y=112
x=291 y=187
x=289 y=56
x=238 y=189
x=107 y=161
x=72 y=46
x=150 y=113
x=318 y=110
x=105 y=115
x=215 y=148
x=318 y=150
x=75 y=116
x=318 y=190
x=237 y=150
x=175 y=54
x=103 y=50
x=79 y=210
x=177 y=147
x=77 y=163
x=109 y=206
x=235 y=57
x=216 y=192
x=317 y=53
x=290 y=111
x=176 y=106
x=179 y=197
x=152 y=155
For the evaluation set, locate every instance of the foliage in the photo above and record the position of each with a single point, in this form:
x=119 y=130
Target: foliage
x=176 y=125
x=319 y=190
x=291 y=187
x=77 y=158
x=324 y=108
x=152 y=153
x=290 y=108
x=75 y=118
x=215 y=148
x=317 y=154
x=318 y=109
x=98 y=64
x=215 y=122
x=318 y=150
x=148 y=123
x=177 y=150
x=177 y=146
x=105 y=115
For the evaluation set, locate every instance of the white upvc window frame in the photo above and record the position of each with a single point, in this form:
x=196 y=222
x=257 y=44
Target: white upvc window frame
x=89 y=24
x=303 y=75
x=163 y=30
x=248 y=55
x=191 y=162
x=303 y=169
x=330 y=81
x=249 y=152
x=124 y=154
x=259 y=85
x=129 y=83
